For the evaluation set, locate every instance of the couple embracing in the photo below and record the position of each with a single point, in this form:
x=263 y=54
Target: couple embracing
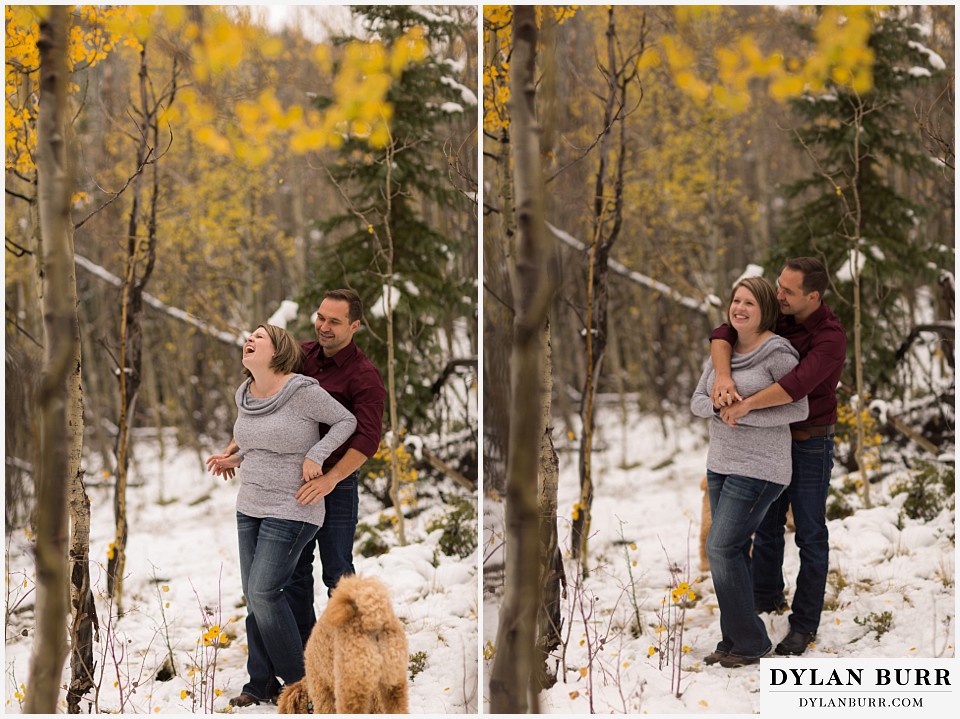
x=308 y=417
x=770 y=393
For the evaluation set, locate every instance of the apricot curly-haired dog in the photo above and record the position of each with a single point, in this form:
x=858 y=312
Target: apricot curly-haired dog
x=356 y=657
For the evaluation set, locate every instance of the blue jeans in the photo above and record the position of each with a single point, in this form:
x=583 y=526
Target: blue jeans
x=269 y=550
x=737 y=504
x=335 y=539
x=807 y=494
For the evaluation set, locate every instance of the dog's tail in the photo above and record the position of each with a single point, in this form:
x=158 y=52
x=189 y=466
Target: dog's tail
x=361 y=599
x=294 y=699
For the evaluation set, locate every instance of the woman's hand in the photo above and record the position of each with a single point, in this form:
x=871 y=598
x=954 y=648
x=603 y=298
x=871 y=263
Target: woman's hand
x=223 y=465
x=311 y=470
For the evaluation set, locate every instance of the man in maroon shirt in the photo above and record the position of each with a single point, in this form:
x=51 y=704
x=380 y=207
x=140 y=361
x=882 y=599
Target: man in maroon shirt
x=815 y=332
x=336 y=362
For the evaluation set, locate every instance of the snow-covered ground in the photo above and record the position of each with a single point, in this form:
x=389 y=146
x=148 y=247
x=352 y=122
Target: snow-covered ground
x=891 y=591
x=183 y=579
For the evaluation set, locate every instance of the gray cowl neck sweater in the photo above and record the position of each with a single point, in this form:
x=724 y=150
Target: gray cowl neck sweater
x=759 y=446
x=275 y=434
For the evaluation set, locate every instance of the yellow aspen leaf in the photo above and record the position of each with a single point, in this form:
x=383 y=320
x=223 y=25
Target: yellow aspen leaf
x=703 y=703
x=271 y=47
x=214 y=140
x=321 y=53
x=380 y=137
x=786 y=87
x=841 y=75
x=174 y=14
x=574 y=694
x=583 y=671
x=309 y=140
x=360 y=128
x=862 y=81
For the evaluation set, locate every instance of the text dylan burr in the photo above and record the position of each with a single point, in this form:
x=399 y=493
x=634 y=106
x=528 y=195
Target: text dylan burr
x=854 y=677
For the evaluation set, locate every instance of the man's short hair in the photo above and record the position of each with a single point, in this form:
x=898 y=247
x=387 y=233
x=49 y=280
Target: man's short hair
x=766 y=297
x=355 y=311
x=815 y=277
x=287 y=354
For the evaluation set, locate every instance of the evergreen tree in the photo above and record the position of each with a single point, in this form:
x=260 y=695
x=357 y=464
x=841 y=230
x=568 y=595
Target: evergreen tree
x=431 y=224
x=896 y=257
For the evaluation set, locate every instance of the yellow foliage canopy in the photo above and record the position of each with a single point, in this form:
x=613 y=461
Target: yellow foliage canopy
x=218 y=43
x=840 y=56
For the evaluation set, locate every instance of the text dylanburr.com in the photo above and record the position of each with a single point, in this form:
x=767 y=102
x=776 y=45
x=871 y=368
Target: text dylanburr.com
x=845 y=687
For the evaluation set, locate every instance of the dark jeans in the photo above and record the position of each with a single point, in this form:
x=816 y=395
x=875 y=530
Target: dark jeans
x=737 y=505
x=269 y=550
x=807 y=494
x=335 y=539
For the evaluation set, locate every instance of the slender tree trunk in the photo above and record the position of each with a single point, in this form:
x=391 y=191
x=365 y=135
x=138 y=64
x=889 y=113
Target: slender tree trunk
x=82 y=663
x=391 y=371
x=61 y=338
x=607 y=223
x=513 y=667
x=857 y=310
x=861 y=400
x=552 y=576
x=141 y=256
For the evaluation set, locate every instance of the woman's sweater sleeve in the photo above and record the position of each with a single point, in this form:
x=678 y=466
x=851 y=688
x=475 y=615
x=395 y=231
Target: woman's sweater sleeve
x=773 y=416
x=701 y=404
x=778 y=364
x=318 y=405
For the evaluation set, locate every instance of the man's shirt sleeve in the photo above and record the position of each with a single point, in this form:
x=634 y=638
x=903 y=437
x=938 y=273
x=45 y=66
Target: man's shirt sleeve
x=368 y=402
x=824 y=360
x=724 y=332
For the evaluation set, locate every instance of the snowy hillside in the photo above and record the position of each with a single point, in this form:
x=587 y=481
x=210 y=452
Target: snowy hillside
x=891 y=590
x=182 y=591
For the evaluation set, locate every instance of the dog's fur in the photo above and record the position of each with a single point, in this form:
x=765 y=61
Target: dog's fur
x=705 y=521
x=356 y=657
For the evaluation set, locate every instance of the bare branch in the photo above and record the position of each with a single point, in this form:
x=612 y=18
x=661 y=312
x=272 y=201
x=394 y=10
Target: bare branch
x=135 y=175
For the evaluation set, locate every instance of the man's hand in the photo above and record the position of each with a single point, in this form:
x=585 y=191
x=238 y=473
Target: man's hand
x=313 y=490
x=724 y=391
x=731 y=413
x=223 y=465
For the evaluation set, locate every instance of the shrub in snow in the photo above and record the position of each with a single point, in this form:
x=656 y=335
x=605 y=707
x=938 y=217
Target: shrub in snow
x=459 y=527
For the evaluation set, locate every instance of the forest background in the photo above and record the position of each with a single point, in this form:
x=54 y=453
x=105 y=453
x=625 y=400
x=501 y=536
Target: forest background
x=202 y=171
x=667 y=151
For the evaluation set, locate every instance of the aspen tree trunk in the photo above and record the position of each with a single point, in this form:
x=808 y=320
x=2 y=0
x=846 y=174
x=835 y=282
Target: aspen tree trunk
x=85 y=623
x=552 y=576
x=61 y=337
x=607 y=224
x=858 y=373
x=857 y=310
x=513 y=666
x=141 y=256
x=391 y=371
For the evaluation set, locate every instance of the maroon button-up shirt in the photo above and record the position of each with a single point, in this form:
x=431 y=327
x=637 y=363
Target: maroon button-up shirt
x=822 y=345
x=354 y=381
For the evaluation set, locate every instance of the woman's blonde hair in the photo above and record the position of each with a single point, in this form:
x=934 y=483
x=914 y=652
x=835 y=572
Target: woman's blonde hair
x=287 y=354
x=766 y=297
